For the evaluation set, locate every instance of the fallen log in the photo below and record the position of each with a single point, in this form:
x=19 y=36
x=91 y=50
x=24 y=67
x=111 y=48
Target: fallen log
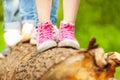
x=23 y=62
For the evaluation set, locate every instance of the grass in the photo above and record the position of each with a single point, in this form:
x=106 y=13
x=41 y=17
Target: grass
x=107 y=36
x=2 y=43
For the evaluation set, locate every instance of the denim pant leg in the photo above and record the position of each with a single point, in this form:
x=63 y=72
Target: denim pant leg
x=28 y=11
x=53 y=15
x=11 y=15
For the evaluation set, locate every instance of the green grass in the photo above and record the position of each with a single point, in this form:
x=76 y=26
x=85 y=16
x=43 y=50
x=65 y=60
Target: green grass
x=117 y=74
x=107 y=36
x=2 y=43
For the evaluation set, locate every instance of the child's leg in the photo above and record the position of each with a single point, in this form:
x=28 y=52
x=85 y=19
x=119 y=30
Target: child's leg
x=44 y=9
x=27 y=13
x=53 y=18
x=54 y=9
x=66 y=32
x=12 y=24
x=45 y=38
x=70 y=9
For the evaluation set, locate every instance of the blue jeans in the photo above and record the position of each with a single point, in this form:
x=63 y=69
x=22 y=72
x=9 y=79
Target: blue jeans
x=28 y=11
x=16 y=11
x=53 y=15
x=11 y=14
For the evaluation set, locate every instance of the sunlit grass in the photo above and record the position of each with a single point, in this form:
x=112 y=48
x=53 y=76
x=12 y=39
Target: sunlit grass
x=117 y=74
x=2 y=43
x=107 y=36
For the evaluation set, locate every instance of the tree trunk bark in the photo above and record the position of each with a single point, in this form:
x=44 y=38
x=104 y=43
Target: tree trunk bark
x=23 y=62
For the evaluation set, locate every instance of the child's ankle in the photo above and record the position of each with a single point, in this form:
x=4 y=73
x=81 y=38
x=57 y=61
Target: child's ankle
x=67 y=21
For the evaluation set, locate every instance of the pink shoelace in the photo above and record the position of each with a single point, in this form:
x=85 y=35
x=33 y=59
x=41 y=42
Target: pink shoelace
x=45 y=32
x=66 y=31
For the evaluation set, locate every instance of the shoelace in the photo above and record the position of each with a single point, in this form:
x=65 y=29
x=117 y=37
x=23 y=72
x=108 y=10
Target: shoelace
x=45 y=32
x=67 y=31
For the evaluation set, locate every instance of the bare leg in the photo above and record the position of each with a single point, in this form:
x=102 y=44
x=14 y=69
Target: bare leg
x=44 y=9
x=45 y=38
x=70 y=9
x=66 y=31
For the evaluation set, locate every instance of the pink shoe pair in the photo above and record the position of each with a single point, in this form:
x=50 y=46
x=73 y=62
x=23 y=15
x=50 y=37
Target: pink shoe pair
x=46 y=40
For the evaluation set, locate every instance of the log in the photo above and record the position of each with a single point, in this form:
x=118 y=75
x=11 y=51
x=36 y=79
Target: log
x=23 y=62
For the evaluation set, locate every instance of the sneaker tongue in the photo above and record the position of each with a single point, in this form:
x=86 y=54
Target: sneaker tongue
x=66 y=31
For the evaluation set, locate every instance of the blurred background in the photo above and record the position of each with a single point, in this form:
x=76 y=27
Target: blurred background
x=96 y=18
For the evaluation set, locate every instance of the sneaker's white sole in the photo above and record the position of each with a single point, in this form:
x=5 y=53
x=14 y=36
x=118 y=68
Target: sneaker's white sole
x=46 y=45
x=69 y=43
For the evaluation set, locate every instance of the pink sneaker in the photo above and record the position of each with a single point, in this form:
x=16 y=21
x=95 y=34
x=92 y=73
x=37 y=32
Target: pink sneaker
x=66 y=36
x=45 y=38
x=33 y=40
x=34 y=35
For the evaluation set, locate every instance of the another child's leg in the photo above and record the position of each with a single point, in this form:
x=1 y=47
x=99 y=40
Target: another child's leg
x=27 y=13
x=12 y=24
x=70 y=9
x=53 y=17
x=66 y=33
x=44 y=9
x=45 y=38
